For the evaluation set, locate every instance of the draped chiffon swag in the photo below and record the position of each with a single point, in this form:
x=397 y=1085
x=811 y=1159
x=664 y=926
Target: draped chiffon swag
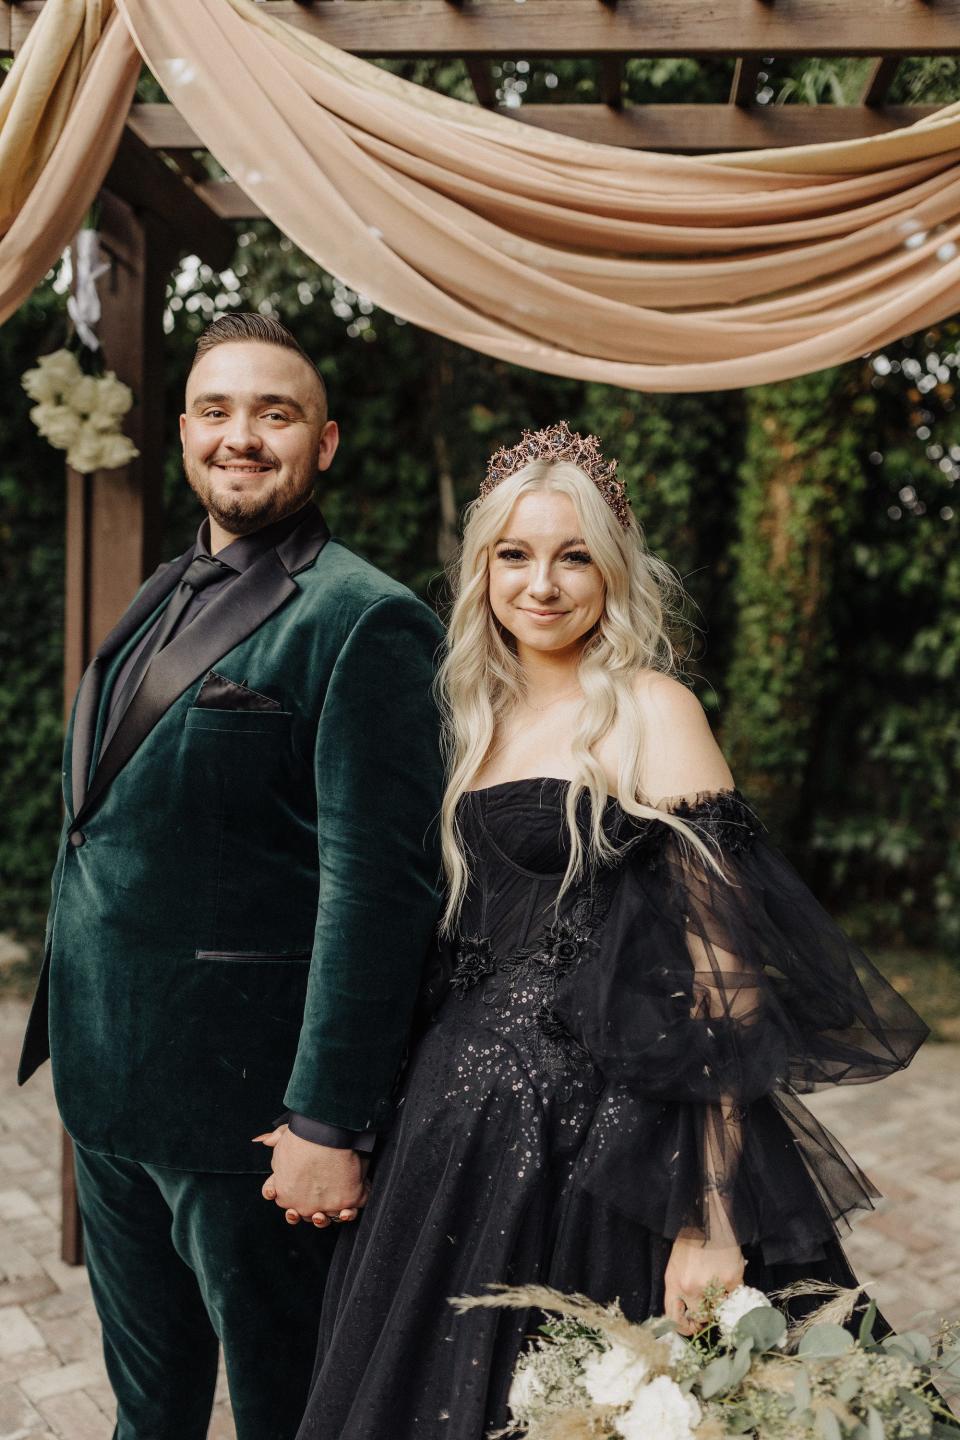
x=648 y=271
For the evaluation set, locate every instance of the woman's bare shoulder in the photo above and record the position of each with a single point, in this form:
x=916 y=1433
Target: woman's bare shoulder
x=680 y=755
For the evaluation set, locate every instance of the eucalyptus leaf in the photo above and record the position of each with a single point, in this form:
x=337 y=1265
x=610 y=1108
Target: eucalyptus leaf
x=741 y=1362
x=716 y=1377
x=875 y=1427
x=801 y=1390
x=764 y=1326
x=828 y=1426
x=847 y=1389
x=920 y=1344
x=865 y=1336
x=825 y=1340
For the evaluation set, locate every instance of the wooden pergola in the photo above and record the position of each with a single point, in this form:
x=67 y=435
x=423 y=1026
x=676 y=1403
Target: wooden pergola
x=159 y=202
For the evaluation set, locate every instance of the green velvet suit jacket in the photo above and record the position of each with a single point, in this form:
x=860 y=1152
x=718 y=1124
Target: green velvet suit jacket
x=243 y=900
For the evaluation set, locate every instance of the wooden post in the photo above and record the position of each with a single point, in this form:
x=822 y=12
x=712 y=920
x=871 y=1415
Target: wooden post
x=113 y=517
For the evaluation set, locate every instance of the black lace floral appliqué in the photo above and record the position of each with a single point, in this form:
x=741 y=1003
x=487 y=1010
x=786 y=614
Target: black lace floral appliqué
x=475 y=960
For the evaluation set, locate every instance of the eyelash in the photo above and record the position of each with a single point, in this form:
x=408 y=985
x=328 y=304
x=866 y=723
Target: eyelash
x=578 y=557
x=270 y=415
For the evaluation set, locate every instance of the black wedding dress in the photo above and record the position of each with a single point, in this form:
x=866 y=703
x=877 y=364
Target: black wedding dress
x=594 y=1079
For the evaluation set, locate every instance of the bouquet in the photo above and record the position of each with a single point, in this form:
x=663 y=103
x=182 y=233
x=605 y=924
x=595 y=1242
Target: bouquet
x=80 y=413
x=591 y=1374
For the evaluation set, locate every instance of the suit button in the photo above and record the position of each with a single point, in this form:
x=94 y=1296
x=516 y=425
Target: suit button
x=77 y=839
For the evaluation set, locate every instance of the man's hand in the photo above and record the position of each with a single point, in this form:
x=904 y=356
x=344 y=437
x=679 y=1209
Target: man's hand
x=314 y=1182
x=691 y=1267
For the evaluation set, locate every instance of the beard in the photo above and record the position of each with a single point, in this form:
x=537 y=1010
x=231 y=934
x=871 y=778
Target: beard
x=241 y=514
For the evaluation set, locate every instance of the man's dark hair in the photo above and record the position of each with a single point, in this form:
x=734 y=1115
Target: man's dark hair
x=245 y=325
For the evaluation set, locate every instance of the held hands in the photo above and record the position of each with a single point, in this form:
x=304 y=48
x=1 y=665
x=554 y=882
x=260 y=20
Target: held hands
x=690 y=1269
x=314 y=1182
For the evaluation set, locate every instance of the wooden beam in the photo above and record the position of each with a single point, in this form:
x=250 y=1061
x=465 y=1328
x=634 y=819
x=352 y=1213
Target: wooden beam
x=879 y=79
x=612 y=70
x=16 y=22
x=687 y=129
x=743 y=91
x=150 y=185
x=732 y=28
x=481 y=79
x=632 y=27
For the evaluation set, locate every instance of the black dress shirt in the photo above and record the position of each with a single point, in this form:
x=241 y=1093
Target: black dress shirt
x=237 y=557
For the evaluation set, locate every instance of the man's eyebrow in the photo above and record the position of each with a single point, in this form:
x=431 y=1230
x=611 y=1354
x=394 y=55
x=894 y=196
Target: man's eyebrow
x=286 y=400
x=211 y=397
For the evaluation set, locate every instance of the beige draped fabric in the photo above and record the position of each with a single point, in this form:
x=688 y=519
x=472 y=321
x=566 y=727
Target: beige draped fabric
x=642 y=270
x=647 y=271
x=62 y=111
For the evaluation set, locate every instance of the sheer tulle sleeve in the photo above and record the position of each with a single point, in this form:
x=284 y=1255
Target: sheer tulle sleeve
x=712 y=1001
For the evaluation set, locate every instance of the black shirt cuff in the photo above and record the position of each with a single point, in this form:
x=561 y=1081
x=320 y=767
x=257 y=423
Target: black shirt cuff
x=335 y=1136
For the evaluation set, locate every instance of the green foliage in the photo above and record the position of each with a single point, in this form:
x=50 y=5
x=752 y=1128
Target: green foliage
x=32 y=516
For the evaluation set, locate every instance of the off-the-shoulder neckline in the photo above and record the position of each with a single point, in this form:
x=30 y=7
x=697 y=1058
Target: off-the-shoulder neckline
x=674 y=802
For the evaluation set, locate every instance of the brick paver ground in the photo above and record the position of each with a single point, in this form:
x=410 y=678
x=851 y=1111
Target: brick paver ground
x=905 y=1133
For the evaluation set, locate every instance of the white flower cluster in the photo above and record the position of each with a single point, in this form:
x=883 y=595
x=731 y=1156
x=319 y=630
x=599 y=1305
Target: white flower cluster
x=737 y=1304
x=80 y=413
x=616 y=1378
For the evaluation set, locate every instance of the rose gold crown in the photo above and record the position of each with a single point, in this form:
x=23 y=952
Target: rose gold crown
x=559 y=442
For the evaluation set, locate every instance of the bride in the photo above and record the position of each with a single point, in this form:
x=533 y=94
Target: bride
x=632 y=988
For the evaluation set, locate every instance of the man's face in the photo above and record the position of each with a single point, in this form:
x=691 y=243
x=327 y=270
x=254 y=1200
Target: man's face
x=254 y=434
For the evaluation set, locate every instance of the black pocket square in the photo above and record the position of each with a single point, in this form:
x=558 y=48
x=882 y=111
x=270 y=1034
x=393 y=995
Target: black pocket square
x=219 y=693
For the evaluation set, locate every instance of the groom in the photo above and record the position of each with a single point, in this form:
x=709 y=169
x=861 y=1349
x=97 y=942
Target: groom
x=243 y=897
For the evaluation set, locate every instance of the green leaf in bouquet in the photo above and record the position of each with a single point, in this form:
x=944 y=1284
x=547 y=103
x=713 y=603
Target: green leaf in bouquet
x=740 y=1421
x=801 y=1391
x=903 y=1345
x=764 y=1326
x=865 y=1336
x=828 y=1426
x=948 y=1362
x=912 y=1401
x=822 y=1341
x=919 y=1343
x=741 y=1362
x=716 y=1377
x=875 y=1426
x=848 y=1389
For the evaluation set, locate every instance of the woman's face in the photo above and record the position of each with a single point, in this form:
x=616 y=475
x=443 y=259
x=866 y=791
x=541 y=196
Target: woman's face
x=544 y=586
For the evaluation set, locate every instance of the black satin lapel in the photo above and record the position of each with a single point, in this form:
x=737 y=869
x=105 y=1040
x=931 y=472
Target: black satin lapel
x=164 y=579
x=84 y=729
x=221 y=625
x=158 y=587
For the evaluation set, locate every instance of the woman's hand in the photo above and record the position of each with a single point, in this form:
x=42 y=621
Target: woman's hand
x=691 y=1267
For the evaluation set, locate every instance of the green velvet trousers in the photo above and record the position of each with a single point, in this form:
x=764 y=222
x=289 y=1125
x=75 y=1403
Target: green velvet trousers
x=181 y=1262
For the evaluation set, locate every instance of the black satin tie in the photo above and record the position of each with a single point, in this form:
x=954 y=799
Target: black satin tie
x=200 y=573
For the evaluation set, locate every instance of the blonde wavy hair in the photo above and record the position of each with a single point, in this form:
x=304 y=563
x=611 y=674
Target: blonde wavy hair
x=481 y=679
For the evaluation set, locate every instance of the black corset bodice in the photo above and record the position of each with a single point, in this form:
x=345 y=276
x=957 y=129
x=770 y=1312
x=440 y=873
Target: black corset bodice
x=517 y=844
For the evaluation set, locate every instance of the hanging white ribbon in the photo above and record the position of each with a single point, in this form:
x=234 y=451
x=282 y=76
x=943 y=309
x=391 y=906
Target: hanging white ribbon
x=83 y=306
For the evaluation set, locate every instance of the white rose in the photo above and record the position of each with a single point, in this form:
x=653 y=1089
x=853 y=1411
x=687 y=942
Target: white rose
x=524 y=1391
x=61 y=368
x=113 y=397
x=57 y=423
x=82 y=396
x=662 y=1410
x=614 y=1377
x=41 y=385
x=737 y=1304
x=86 y=453
x=117 y=449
